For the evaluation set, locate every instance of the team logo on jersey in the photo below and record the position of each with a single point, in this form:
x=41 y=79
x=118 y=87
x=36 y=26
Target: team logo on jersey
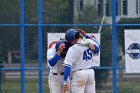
x=134 y=51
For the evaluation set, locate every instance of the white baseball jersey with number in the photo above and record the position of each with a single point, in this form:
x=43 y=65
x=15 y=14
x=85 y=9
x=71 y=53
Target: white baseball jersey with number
x=55 y=81
x=79 y=58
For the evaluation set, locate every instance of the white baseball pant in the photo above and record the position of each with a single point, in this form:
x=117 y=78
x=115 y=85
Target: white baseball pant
x=55 y=83
x=83 y=81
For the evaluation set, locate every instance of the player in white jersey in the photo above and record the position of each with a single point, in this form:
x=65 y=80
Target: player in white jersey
x=55 y=57
x=79 y=62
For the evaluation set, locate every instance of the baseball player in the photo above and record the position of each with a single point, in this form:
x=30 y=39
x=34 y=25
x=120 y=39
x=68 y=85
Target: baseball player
x=55 y=57
x=78 y=61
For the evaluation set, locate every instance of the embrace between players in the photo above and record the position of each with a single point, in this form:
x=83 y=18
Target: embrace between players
x=71 y=64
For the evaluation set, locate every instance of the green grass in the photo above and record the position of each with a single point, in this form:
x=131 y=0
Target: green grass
x=128 y=87
x=31 y=86
x=122 y=87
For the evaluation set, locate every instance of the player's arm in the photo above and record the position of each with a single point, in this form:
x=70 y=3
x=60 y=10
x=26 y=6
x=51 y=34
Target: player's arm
x=66 y=75
x=54 y=59
x=92 y=45
x=84 y=34
x=68 y=62
x=70 y=59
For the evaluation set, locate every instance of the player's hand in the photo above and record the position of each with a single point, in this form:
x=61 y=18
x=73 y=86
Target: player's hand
x=65 y=88
x=60 y=48
x=92 y=36
x=85 y=42
x=82 y=32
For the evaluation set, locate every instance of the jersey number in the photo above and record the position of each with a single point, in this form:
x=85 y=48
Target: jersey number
x=87 y=54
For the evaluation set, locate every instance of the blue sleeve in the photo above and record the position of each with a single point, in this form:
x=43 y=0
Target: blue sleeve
x=66 y=73
x=96 y=51
x=88 y=37
x=96 y=47
x=54 y=60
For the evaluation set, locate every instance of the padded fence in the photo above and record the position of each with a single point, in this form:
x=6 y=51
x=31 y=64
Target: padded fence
x=24 y=25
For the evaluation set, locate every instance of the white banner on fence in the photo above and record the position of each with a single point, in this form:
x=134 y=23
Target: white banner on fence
x=132 y=51
x=53 y=37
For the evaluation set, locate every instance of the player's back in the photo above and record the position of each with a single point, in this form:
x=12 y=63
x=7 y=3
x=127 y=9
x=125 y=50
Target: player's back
x=81 y=57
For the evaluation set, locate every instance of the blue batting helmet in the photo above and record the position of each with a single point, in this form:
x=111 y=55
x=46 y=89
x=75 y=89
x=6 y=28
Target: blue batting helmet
x=63 y=54
x=70 y=34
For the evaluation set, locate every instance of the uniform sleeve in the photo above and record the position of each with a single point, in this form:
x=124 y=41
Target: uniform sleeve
x=66 y=73
x=71 y=57
x=96 y=44
x=50 y=53
x=88 y=37
x=52 y=57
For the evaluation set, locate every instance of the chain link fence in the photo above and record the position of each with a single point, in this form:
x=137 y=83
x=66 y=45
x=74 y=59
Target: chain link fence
x=93 y=16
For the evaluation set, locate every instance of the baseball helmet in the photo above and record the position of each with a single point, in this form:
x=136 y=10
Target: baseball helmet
x=70 y=34
x=63 y=54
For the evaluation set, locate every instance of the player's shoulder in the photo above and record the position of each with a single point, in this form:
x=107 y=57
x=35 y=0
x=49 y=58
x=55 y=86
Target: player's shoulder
x=73 y=48
x=52 y=49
